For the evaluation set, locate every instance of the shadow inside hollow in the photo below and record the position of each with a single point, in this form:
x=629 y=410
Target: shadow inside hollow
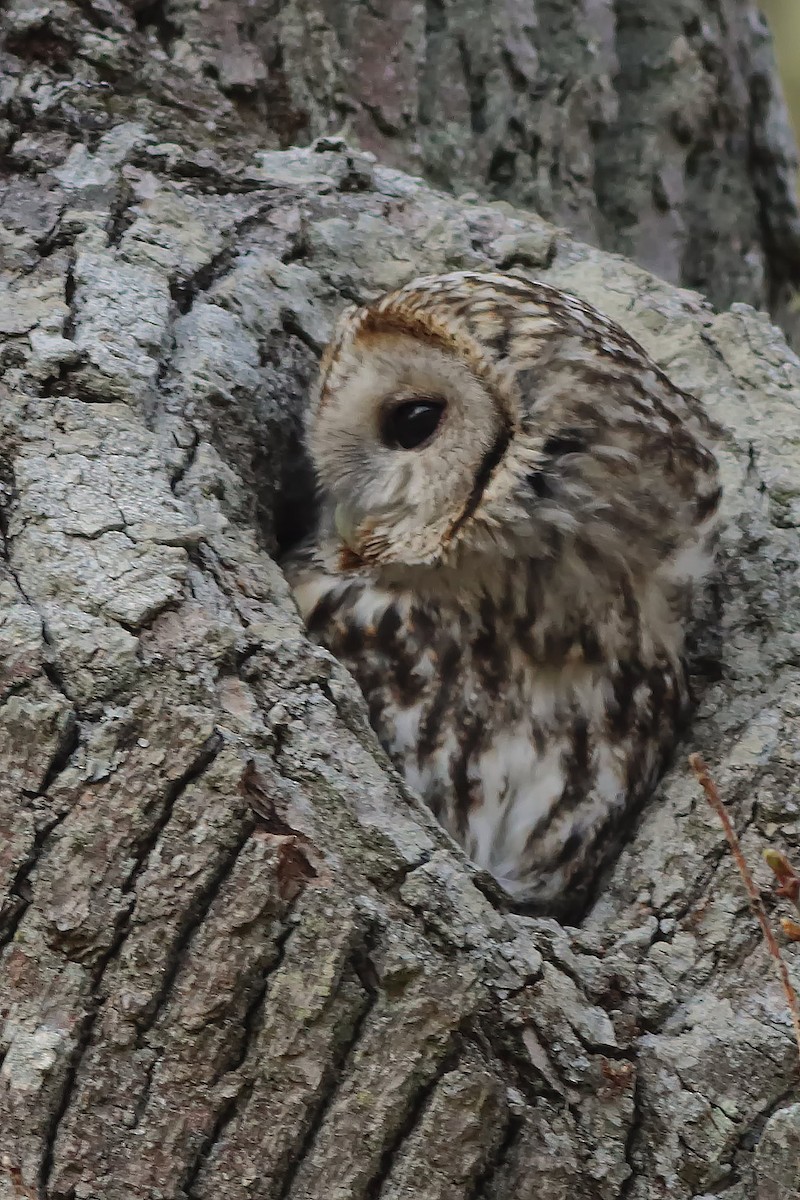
x=294 y=509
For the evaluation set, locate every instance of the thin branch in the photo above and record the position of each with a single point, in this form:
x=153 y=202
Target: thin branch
x=697 y=763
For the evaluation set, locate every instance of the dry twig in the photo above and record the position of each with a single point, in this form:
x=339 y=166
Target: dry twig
x=697 y=763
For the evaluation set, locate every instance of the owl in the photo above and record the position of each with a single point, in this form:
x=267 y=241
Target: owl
x=517 y=511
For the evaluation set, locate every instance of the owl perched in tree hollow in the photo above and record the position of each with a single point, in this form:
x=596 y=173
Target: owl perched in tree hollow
x=517 y=509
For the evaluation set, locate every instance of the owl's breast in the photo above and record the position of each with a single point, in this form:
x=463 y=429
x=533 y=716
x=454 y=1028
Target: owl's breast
x=530 y=765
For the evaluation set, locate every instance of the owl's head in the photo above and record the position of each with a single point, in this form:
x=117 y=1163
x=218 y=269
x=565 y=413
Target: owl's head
x=467 y=418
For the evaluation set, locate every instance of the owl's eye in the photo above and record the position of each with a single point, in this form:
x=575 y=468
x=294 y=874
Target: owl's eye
x=411 y=425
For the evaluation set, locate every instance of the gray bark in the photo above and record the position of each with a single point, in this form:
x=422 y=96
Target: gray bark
x=654 y=128
x=239 y=960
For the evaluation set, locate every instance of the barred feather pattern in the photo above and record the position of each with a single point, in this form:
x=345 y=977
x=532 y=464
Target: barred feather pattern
x=513 y=596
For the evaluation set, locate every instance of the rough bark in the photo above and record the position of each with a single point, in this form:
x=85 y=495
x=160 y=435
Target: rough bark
x=654 y=128
x=238 y=959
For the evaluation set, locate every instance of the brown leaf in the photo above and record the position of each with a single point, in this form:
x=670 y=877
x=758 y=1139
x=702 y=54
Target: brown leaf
x=784 y=872
x=791 y=929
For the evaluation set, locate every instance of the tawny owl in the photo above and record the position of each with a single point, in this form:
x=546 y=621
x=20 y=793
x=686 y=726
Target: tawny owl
x=517 y=509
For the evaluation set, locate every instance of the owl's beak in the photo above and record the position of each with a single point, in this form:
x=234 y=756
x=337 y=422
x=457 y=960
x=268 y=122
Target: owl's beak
x=345 y=522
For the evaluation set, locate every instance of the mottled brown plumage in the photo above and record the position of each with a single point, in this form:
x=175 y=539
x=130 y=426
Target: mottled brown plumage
x=517 y=510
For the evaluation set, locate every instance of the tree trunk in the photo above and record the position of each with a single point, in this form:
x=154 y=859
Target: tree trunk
x=239 y=960
x=653 y=129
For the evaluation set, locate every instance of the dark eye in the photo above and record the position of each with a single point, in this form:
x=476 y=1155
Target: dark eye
x=564 y=443
x=409 y=425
